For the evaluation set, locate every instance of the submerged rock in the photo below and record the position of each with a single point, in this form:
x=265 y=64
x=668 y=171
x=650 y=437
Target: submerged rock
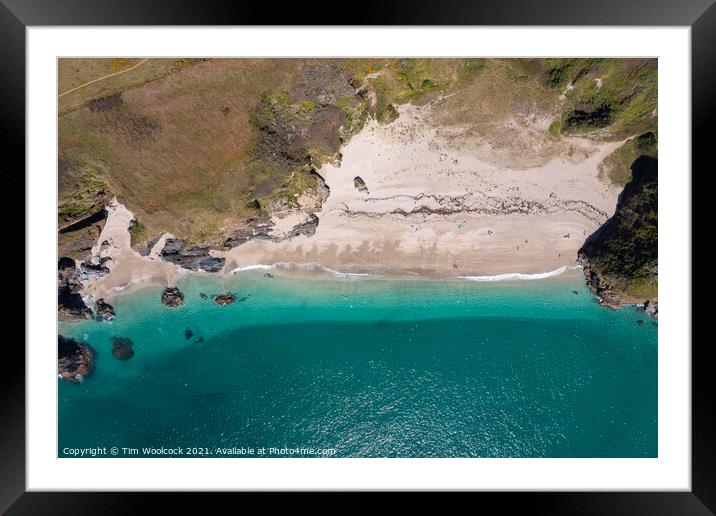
x=104 y=310
x=224 y=299
x=75 y=361
x=188 y=334
x=268 y=275
x=122 y=348
x=172 y=297
x=203 y=295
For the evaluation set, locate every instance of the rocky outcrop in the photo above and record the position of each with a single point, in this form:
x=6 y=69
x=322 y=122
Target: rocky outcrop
x=620 y=258
x=306 y=228
x=224 y=299
x=256 y=228
x=323 y=191
x=70 y=304
x=144 y=248
x=122 y=348
x=651 y=308
x=359 y=183
x=193 y=258
x=103 y=310
x=172 y=297
x=75 y=361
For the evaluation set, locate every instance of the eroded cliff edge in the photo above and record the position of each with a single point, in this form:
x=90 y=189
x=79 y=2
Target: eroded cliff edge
x=620 y=259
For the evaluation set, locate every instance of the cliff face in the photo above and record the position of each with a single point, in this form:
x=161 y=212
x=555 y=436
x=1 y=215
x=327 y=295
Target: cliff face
x=620 y=259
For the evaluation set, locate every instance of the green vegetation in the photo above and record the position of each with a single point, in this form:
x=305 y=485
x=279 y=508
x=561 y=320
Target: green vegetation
x=558 y=74
x=138 y=232
x=617 y=166
x=72 y=210
x=615 y=95
x=299 y=183
x=470 y=67
x=554 y=128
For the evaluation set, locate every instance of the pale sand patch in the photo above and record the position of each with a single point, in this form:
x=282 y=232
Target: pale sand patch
x=434 y=208
x=127 y=267
x=157 y=248
x=285 y=222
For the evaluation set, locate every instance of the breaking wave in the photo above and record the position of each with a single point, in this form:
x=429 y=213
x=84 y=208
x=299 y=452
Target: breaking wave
x=514 y=276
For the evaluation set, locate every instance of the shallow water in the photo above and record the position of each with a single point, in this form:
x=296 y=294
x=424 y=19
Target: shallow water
x=370 y=368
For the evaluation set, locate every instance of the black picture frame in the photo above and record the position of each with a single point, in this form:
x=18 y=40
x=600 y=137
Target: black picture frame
x=700 y=15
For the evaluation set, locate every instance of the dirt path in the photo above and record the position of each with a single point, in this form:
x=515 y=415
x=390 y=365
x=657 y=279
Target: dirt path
x=104 y=77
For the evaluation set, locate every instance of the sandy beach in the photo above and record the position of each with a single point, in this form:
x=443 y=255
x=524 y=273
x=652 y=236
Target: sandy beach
x=435 y=207
x=425 y=203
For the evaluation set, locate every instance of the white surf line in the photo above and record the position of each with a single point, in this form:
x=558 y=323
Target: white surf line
x=251 y=268
x=517 y=276
x=104 y=77
x=287 y=265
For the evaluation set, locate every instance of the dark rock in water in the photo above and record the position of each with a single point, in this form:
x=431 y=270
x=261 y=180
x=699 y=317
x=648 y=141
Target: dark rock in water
x=172 y=297
x=640 y=322
x=193 y=258
x=104 y=310
x=268 y=275
x=122 y=348
x=651 y=308
x=70 y=304
x=575 y=292
x=75 y=361
x=203 y=295
x=188 y=334
x=224 y=299
x=242 y=299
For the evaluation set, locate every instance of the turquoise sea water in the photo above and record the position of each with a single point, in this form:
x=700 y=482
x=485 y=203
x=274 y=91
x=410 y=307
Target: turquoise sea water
x=369 y=368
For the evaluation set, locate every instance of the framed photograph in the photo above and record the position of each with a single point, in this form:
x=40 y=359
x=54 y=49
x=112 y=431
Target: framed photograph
x=449 y=252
